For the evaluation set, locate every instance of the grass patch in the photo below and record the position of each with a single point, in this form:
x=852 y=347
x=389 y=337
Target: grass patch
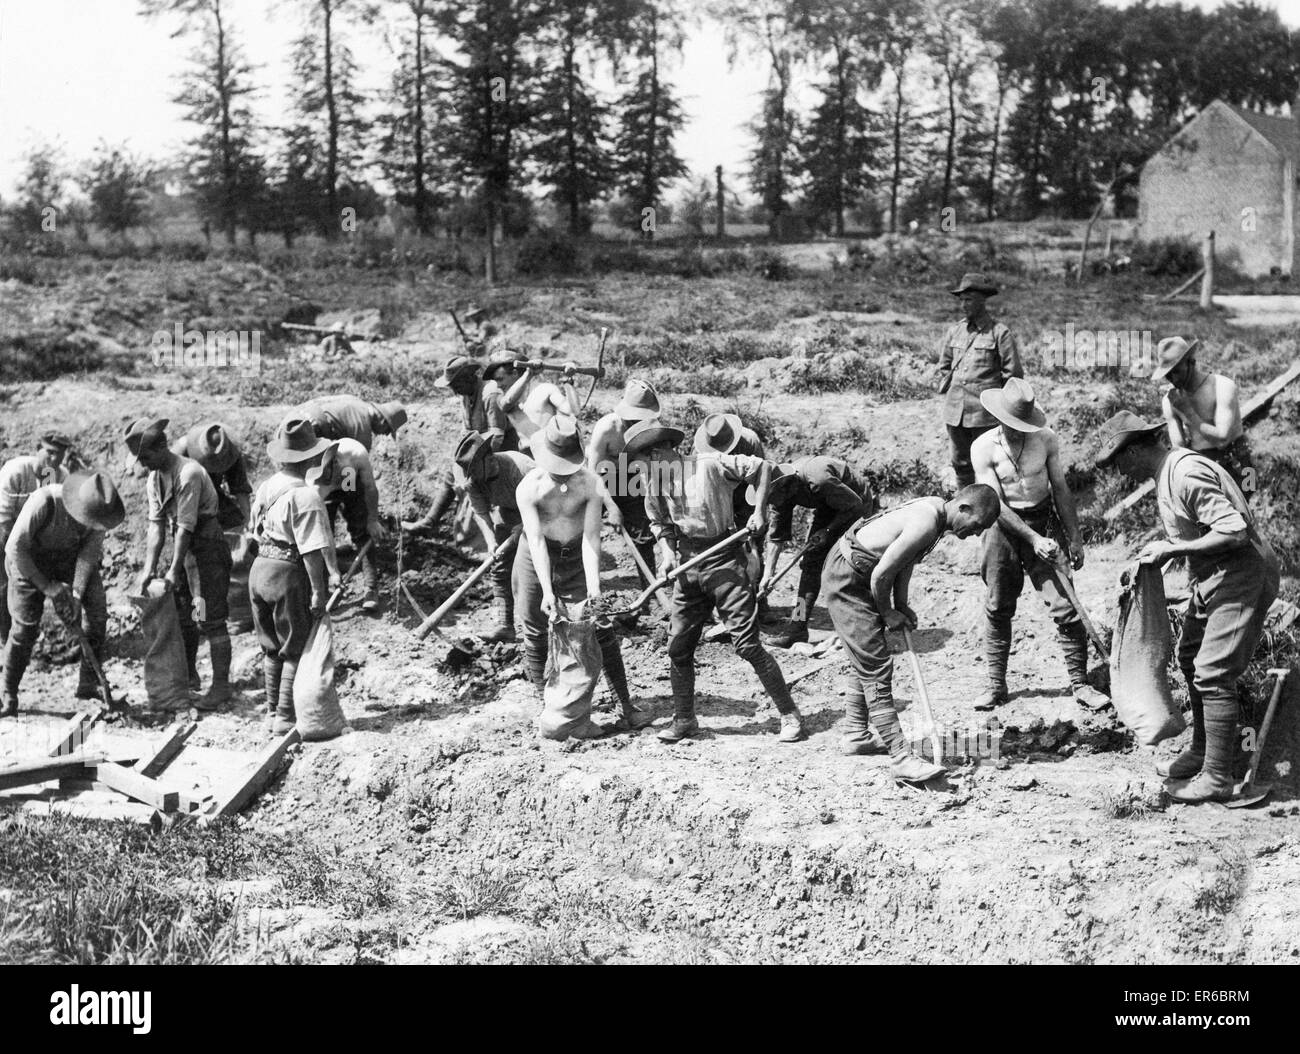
x=477 y=889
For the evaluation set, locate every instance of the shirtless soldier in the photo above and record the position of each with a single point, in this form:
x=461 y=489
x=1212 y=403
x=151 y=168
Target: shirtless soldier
x=866 y=582
x=560 y=503
x=1202 y=411
x=1021 y=461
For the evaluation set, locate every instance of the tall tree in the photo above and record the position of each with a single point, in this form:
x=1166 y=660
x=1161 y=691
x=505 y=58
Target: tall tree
x=215 y=93
x=570 y=141
x=41 y=187
x=117 y=186
x=328 y=100
x=488 y=79
x=898 y=27
x=951 y=44
x=649 y=115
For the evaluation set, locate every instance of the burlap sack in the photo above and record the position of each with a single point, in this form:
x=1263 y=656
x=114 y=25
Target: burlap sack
x=166 y=676
x=1139 y=658
x=572 y=670
x=315 y=700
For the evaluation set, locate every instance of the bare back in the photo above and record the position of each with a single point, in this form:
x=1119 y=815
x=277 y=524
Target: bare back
x=1213 y=401
x=913 y=523
x=607 y=441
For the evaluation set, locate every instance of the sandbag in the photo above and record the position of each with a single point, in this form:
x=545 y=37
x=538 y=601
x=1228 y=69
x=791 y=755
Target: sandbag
x=315 y=701
x=572 y=670
x=166 y=673
x=1139 y=658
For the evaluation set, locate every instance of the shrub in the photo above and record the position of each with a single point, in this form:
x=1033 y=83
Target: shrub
x=547 y=252
x=1166 y=256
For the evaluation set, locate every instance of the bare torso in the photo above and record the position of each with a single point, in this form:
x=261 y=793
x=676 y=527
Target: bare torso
x=878 y=534
x=561 y=505
x=607 y=441
x=1202 y=404
x=1018 y=460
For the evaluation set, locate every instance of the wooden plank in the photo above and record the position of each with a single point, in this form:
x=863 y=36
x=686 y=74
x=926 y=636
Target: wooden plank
x=46 y=769
x=251 y=786
x=135 y=785
x=73 y=735
x=1255 y=405
x=153 y=765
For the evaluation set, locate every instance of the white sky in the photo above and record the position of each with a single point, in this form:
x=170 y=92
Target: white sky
x=74 y=72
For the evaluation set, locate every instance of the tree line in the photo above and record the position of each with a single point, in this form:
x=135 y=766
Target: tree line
x=876 y=113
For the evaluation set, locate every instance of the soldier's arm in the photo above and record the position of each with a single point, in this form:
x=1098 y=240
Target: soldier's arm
x=896 y=559
x=945 y=356
x=1009 y=355
x=1062 y=495
x=1173 y=423
x=1227 y=413
x=591 y=537
x=526 y=499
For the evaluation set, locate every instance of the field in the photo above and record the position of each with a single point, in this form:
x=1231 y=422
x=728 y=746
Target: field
x=441 y=829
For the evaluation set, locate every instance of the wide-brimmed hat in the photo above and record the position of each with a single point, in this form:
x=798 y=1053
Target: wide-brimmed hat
x=146 y=431
x=974 y=282
x=501 y=359
x=640 y=402
x=718 y=434
x=92 y=500
x=296 y=440
x=1169 y=353
x=1121 y=430
x=394 y=414
x=650 y=433
x=558 y=447
x=1013 y=405
x=57 y=439
x=474 y=311
x=211 y=445
x=457 y=367
x=473 y=448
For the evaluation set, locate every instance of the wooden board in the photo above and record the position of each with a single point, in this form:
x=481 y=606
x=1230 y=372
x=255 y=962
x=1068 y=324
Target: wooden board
x=73 y=735
x=135 y=785
x=46 y=769
x=167 y=750
x=235 y=797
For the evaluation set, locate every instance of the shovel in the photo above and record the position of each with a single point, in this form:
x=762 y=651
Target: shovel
x=771 y=585
x=923 y=697
x=1061 y=573
x=333 y=601
x=643 y=567
x=663 y=580
x=1248 y=792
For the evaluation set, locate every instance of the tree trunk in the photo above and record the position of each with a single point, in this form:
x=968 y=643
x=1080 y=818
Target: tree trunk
x=950 y=151
x=841 y=137
x=993 y=153
x=896 y=177
x=420 y=200
x=721 y=222
x=570 y=137
x=649 y=179
x=229 y=199
x=332 y=114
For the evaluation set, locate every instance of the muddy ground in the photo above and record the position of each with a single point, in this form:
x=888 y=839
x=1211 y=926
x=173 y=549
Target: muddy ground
x=494 y=846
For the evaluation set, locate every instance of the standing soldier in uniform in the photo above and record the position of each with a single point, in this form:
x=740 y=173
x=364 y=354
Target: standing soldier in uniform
x=54 y=552
x=977 y=354
x=1202 y=411
x=181 y=495
x=20 y=477
x=1234 y=578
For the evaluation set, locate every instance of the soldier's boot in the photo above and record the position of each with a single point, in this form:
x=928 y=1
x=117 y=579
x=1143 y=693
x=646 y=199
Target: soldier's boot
x=219 y=647
x=997 y=650
x=443 y=497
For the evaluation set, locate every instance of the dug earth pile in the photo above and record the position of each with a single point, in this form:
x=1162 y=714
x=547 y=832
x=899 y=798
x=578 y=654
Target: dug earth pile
x=1052 y=843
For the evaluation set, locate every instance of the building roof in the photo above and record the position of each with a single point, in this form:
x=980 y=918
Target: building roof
x=1282 y=132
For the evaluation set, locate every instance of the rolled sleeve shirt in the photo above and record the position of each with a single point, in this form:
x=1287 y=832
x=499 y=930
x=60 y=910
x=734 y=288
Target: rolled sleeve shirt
x=980 y=355
x=693 y=498
x=181 y=495
x=20 y=478
x=1196 y=496
x=292 y=514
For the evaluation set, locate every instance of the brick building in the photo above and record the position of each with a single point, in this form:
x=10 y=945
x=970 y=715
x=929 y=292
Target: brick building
x=1231 y=171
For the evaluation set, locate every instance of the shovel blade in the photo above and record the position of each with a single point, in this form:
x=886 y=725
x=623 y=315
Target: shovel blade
x=1243 y=795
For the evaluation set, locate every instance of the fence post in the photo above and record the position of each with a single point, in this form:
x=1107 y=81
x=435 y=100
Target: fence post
x=1207 y=279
